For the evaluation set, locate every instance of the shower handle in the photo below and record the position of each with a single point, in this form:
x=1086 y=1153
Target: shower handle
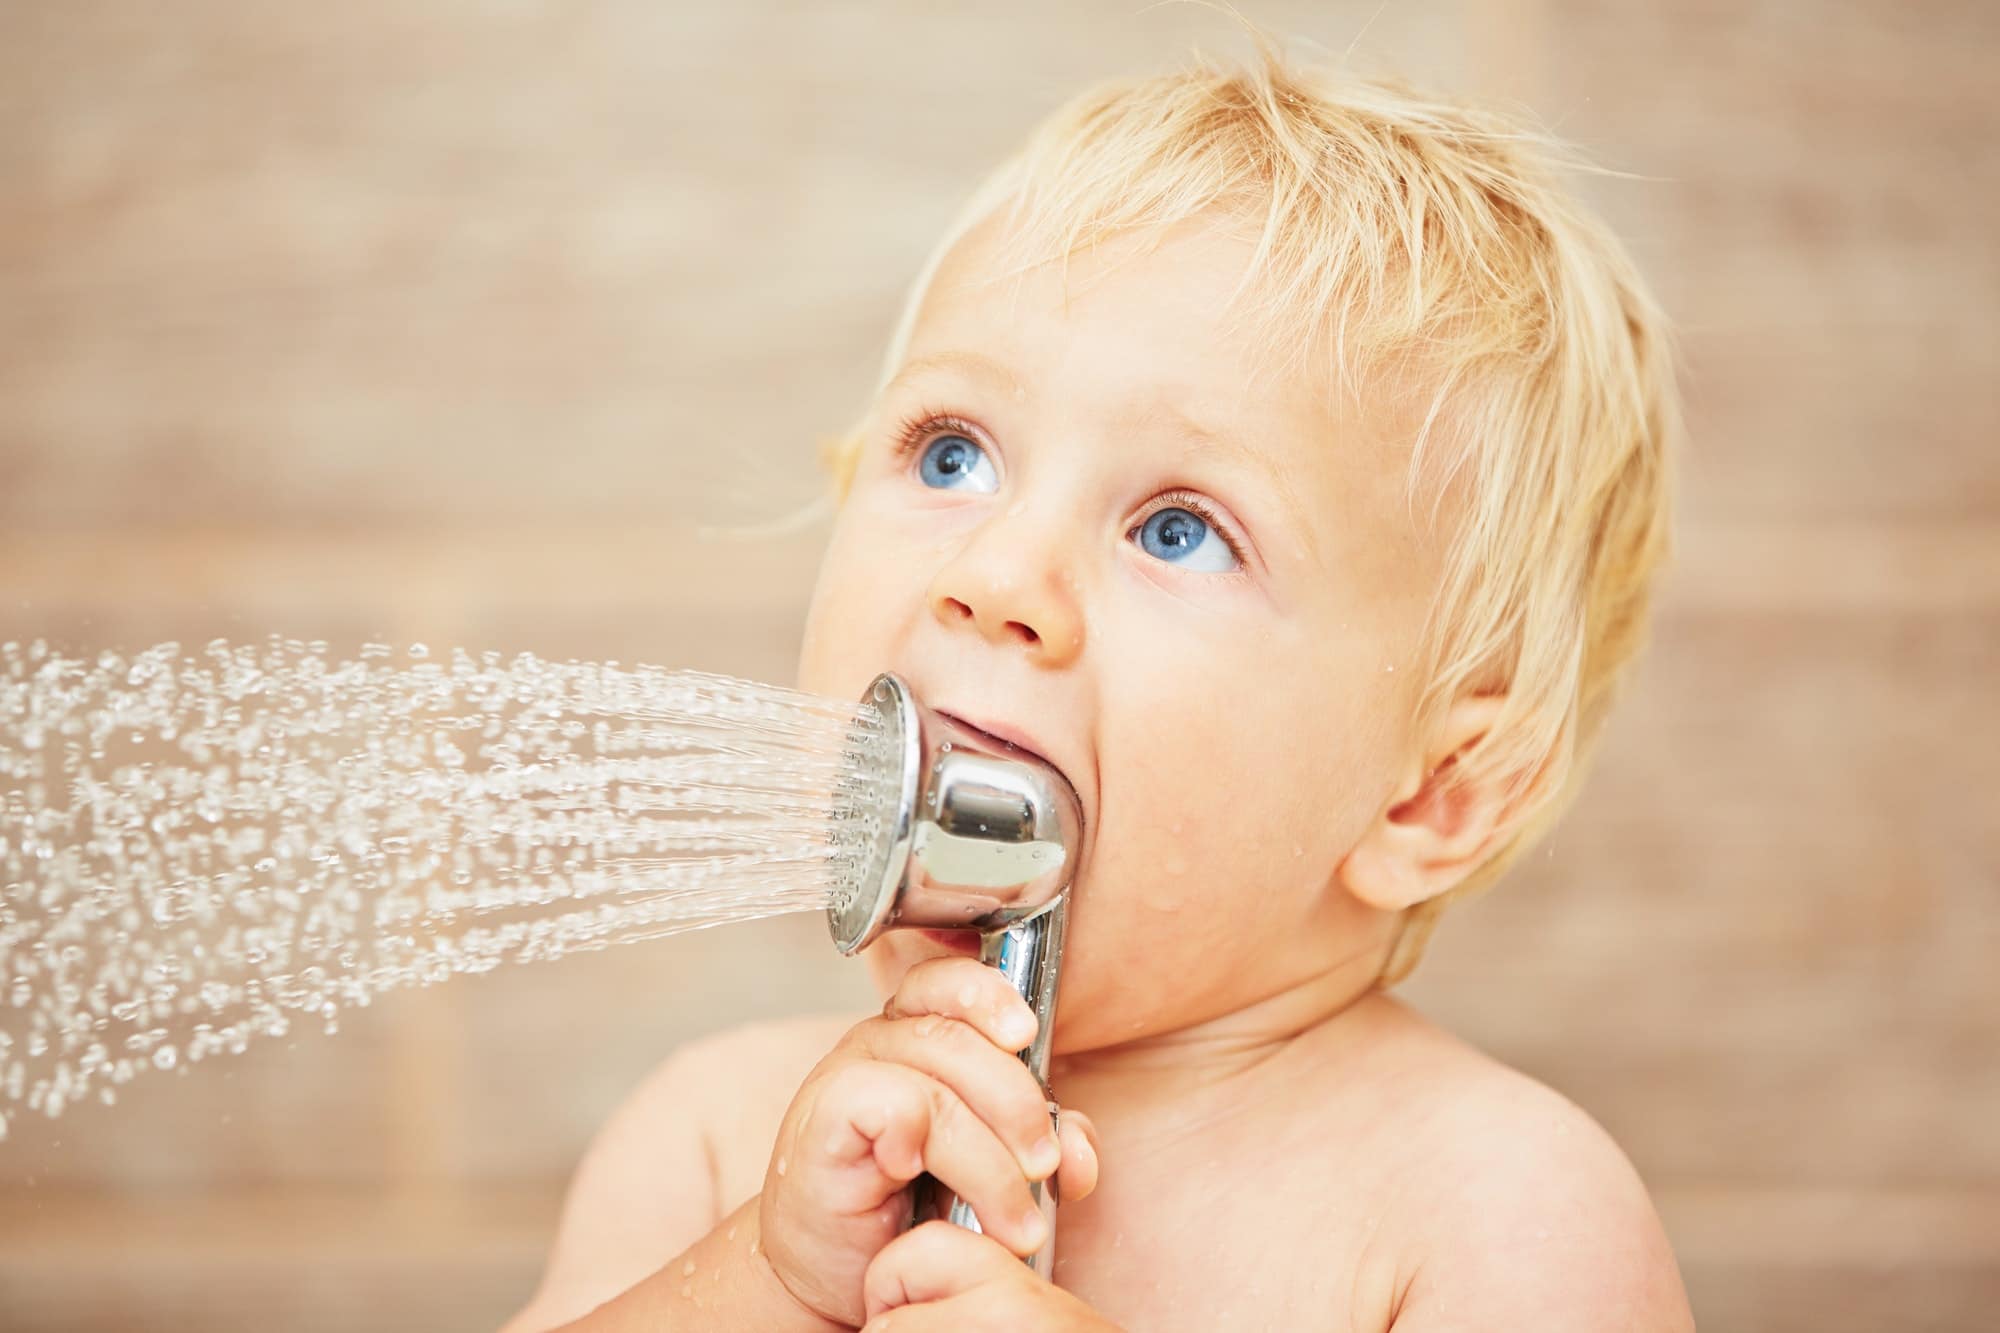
x=1029 y=955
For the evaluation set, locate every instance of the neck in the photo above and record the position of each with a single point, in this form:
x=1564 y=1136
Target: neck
x=1168 y=1067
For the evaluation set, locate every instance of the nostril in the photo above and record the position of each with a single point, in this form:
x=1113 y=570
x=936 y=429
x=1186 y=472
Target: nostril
x=1027 y=632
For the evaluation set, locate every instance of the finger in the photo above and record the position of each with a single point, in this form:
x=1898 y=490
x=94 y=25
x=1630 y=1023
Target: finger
x=933 y=1262
x=996 y=1086
x=913 y=1123
x=968 y=990
x=1077 y=1176
x=957 y=1315
x=864 y=1114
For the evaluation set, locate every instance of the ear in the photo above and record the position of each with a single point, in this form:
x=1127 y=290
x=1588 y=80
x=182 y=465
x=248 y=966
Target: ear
x=1432 y=833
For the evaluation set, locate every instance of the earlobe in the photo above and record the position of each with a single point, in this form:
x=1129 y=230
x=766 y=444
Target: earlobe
x=1436 y=827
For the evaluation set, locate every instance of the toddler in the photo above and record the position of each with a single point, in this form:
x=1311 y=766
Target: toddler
x=1284 y=457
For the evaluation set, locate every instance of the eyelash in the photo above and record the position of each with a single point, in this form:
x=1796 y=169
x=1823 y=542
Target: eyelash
x=920 y=429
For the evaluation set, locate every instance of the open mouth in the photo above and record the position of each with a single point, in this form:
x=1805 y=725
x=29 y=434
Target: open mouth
x=1002 y=742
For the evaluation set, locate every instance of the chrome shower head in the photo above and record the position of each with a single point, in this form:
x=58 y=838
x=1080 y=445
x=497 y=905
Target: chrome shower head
x=981 y=835
x=946 y=828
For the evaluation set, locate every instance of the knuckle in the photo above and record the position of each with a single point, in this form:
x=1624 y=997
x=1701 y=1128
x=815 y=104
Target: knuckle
x=920 y=977
x=936 y=1237
x=961 y=1131
x=844 y=1079
x=862 y=1082
x=947 y=1111
x=859 y=1040
x=945 y=1031
x=1031 y=1119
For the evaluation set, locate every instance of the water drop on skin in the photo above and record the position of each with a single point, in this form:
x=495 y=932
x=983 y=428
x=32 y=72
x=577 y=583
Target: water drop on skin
x=687 y=1269
x=781 y=1166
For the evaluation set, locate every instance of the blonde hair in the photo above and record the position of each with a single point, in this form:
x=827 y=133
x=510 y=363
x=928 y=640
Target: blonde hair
x=1431 y=240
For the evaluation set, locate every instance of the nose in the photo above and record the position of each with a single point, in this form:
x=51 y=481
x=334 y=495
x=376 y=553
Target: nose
x=1010 y=582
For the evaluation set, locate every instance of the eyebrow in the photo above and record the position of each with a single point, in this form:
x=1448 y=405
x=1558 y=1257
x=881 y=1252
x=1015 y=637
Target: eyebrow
x=1235 y=449
x=986 y=368
x=972 y=363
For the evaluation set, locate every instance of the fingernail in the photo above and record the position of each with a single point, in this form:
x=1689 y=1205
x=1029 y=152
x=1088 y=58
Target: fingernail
x=1018 y=1027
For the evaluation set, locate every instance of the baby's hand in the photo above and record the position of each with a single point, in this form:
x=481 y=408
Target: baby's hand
x=930 y=1086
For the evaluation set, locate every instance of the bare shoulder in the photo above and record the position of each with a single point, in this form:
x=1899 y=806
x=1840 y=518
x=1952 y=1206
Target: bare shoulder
x=673 y=1159
x=758 y=1061
x=730 y=1090
x=752 y=1073
x=1524 y=1212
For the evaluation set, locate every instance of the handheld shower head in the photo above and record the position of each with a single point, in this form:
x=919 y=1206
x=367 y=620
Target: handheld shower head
x=982 y=835
x=947 y=828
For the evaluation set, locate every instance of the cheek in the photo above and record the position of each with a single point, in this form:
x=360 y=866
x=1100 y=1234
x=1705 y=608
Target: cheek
x=858 y=598
x=1224 y=811
x=1199 y=810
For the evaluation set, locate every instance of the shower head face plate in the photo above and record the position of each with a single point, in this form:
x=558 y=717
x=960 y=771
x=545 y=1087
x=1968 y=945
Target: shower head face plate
x=874 y=810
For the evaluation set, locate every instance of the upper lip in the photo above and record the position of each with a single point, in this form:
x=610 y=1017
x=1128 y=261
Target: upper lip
x=1015 y=736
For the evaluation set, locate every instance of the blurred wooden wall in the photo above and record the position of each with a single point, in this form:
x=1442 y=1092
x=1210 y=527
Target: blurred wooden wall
x=452 y=322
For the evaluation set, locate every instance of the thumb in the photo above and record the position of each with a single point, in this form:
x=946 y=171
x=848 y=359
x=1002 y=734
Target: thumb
x=1077 y=1176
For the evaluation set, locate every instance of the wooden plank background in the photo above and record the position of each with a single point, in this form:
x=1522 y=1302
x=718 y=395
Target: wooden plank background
x=452 y=321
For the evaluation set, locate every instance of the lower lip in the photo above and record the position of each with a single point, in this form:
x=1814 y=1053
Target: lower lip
x=958 y=941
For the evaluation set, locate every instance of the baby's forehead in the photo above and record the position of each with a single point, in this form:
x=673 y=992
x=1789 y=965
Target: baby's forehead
x=1217 y=317
x=1170 y=337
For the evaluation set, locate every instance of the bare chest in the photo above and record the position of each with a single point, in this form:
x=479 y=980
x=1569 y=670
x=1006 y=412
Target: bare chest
x=1237 y=1242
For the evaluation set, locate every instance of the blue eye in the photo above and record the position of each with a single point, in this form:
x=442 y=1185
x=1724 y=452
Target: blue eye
x=1183 y=538
x=950 y=460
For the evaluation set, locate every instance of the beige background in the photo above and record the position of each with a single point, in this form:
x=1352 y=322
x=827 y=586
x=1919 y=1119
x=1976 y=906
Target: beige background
x=449 y=321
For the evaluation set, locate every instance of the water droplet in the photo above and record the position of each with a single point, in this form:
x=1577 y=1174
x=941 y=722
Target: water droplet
x=321 y=832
